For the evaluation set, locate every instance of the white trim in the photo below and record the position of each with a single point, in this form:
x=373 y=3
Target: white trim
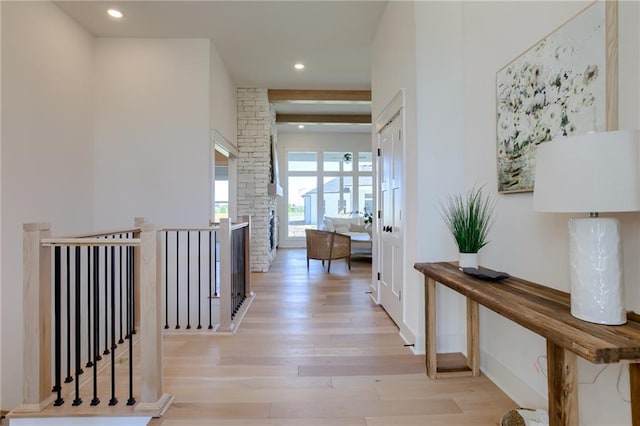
x=219 y=139
x=417 y=342
x=395 y=108
x=392 y=109
x=227 y=147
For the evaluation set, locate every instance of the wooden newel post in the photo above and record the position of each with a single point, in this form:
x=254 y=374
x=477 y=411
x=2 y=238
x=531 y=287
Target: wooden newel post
x=137 y=223
x=152 y=399
x=37 y=318
x=247 y=256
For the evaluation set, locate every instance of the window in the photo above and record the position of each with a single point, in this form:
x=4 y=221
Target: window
x=302 y=161
x=331 y=183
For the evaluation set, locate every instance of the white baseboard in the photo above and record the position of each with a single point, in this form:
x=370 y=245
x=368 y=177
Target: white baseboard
x=523 y=394
x=82 y=421
x=415 y=342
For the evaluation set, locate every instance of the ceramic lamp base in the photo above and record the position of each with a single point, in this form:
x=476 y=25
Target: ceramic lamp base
x=595 y=253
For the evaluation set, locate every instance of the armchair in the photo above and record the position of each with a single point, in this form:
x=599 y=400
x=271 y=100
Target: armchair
x=325 y=245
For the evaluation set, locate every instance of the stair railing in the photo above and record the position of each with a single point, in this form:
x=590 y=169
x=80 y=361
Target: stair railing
x=90 y=293
x=107 y=270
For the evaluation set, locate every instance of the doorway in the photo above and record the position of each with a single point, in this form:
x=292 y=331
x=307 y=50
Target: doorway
x=390 y=198
x=223 y=179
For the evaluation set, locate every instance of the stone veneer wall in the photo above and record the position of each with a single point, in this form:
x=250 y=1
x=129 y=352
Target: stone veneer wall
x=256 y=125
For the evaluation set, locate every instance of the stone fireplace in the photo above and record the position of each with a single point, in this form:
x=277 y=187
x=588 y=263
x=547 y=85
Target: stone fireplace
x=256 y=129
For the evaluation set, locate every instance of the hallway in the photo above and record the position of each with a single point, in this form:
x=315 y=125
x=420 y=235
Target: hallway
x=315 y=350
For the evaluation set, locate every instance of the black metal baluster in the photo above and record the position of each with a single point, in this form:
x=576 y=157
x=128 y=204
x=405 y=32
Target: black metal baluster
x=188 y=280
x=114 y=345
x=133 y=292
x=242 y=271
x=113 y=400
x=89 y=357
x=210 y=279
x=128 y=296
x=199 y=282
x=232 y=256
x=69 y=378
x=215 y=265
x=121 y=341
x=77 y=401
x=57 y=326
x=177 y=280
x=96 y=323
x=234 y=274
x=106 y=302
x=130 y=322
x=96 y=303
x=166 y=280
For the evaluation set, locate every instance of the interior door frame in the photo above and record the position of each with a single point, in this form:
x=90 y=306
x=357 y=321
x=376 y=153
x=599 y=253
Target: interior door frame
x=218 y=141
x=395 y=108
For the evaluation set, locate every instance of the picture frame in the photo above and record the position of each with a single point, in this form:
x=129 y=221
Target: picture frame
x=565 y=84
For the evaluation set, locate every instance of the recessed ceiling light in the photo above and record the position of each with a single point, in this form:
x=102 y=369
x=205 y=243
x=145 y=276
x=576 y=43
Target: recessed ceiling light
x=115 y=13
x=299 y=66
x=300 y=126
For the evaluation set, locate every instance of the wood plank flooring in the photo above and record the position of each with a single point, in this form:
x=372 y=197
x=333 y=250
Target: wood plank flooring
x=314 y=350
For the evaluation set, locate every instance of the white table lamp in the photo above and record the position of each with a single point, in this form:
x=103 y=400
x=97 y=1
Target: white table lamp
x=591 y=173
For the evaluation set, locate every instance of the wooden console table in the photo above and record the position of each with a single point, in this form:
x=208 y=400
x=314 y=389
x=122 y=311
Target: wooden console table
x=545 y=311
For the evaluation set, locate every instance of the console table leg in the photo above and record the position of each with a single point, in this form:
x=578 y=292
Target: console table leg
x=563 y=386
x=430 y=327
x=473 y=337
x=634 y=385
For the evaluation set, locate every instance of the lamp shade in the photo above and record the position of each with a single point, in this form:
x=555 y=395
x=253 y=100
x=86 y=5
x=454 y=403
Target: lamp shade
x=593 y=172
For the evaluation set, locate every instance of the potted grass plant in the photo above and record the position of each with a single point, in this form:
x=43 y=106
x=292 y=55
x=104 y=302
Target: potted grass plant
x=469 y=217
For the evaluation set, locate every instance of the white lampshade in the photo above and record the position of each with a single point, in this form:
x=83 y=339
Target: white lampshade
x=594 y=172
x=591 y=173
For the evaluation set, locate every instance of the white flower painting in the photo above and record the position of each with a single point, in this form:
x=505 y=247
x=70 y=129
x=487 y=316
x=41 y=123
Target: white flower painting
x=554 y=89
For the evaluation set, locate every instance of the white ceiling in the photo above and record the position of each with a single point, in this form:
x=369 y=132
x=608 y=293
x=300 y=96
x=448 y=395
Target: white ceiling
x=259 y=41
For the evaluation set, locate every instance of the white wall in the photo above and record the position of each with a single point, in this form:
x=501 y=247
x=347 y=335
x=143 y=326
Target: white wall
x=440 y=149
x=223 y=98
x=394 y=68
x=459 y=48
x=47 y=154
x=152 y=131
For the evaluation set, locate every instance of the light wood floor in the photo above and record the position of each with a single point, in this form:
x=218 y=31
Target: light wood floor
x=315 y=350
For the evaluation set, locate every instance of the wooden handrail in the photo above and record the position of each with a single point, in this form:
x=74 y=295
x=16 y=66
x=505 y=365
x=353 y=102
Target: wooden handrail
x=102 y=233
x=102 y=242
x=195 y=229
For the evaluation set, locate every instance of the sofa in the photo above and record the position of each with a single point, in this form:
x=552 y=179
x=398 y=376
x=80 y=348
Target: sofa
x=354 y=227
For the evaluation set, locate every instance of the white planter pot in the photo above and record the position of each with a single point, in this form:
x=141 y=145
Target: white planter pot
x=468 y=260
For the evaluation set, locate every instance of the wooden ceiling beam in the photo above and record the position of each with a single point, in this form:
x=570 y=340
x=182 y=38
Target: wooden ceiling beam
x=287 y=95
x=324 y=118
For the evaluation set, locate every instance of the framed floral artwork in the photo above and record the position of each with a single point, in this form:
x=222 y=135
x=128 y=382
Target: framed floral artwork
x=563 y=85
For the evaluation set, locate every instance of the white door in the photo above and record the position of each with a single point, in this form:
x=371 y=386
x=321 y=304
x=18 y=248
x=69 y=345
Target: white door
x=391 y=226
